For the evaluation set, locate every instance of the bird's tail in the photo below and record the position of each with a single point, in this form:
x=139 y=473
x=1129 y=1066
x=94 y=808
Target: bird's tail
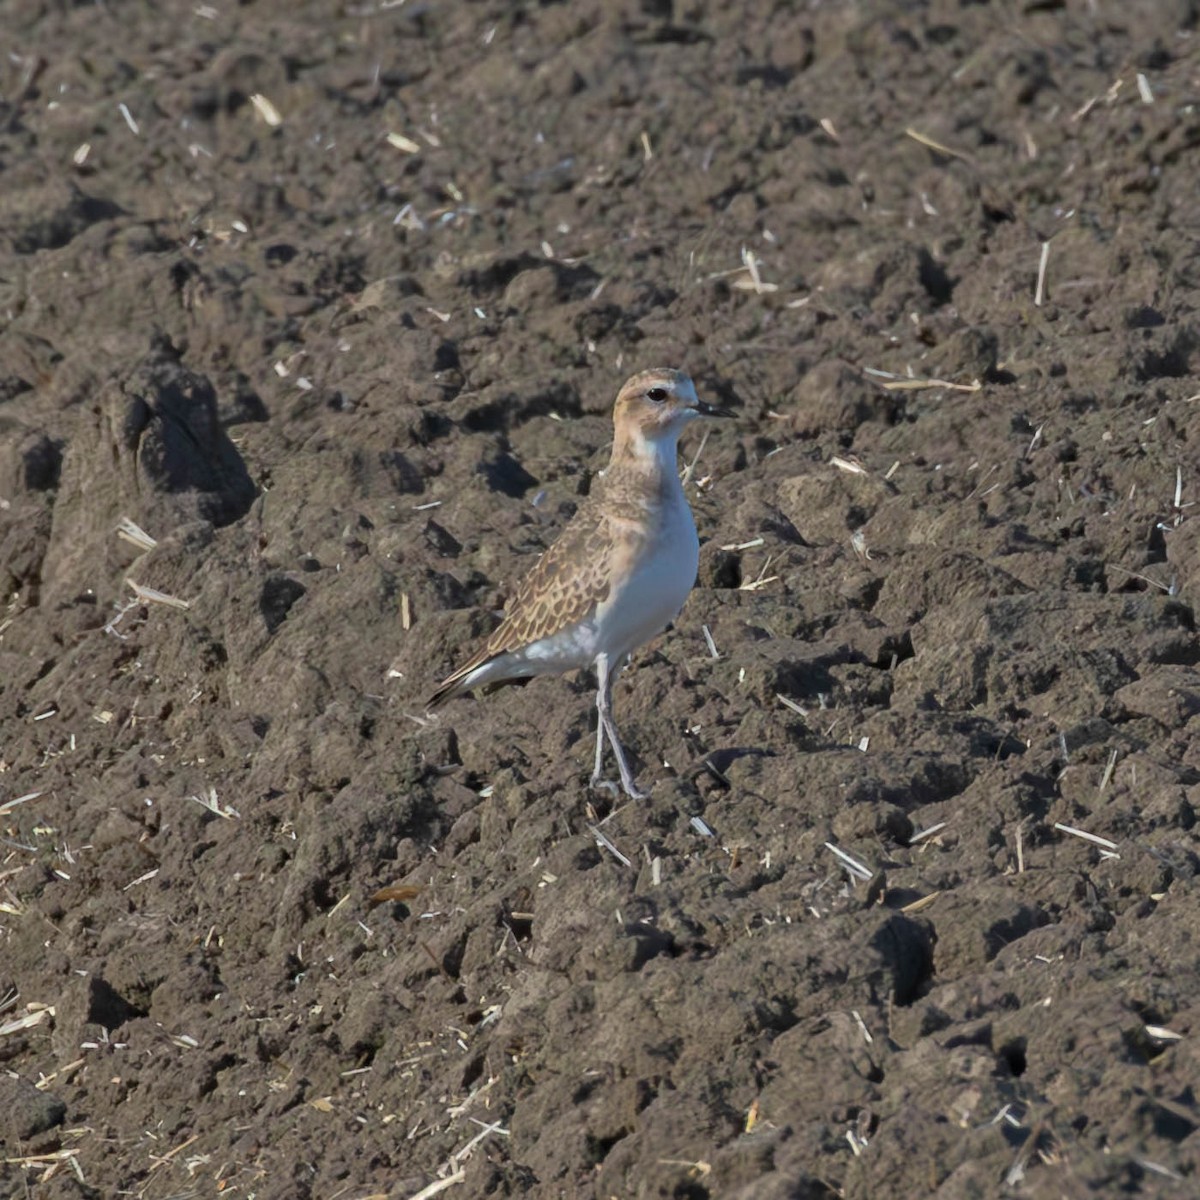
x=455 y=685
x=481 y=669
x=485 y=674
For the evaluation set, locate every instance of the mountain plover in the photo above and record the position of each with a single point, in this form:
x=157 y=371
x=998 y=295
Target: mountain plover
x=620 y=571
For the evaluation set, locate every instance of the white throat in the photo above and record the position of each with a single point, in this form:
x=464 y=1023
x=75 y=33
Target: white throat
x=660 y=454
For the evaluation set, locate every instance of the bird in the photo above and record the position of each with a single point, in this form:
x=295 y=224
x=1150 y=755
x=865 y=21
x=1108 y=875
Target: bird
x=618 y=574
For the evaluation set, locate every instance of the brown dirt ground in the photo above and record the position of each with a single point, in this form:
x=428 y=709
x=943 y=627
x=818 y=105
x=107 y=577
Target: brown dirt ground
x=276 y=348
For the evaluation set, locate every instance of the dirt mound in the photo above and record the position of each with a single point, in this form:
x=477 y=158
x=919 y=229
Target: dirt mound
x=312 y=322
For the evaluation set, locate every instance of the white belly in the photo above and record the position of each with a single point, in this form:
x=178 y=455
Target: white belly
x=638 y=607
x=655 y=591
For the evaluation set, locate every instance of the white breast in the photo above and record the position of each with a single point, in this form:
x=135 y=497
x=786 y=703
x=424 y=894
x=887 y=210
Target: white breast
x=650 y=598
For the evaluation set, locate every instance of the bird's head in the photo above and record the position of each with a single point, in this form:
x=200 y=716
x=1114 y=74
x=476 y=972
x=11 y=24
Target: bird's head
x=655 y=406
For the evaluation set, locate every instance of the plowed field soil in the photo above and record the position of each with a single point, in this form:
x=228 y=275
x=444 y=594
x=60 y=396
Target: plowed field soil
x=311 y=319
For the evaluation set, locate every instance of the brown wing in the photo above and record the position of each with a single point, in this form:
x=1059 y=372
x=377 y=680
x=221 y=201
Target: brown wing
x=563 y=587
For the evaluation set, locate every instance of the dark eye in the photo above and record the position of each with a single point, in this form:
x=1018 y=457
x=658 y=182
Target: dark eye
x=657 y=394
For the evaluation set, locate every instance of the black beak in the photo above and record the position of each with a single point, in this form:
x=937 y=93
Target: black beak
x=711 y=410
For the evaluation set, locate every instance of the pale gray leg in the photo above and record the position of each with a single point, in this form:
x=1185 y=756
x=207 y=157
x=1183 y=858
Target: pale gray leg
x=598 y=781
x=607 y=728
x=596 y=772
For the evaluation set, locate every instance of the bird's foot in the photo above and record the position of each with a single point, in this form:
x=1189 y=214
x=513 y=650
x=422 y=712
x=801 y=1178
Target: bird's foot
x=628 y=786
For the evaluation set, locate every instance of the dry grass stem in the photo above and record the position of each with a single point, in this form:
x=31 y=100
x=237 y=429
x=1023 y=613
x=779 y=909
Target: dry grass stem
x=133 y=533
x=1106 y=778
x=862 y=1025
x=400 y=142
x=145 y=878
x=1162 y=1034
x=753 y=280
x=149 y=595
x=917 y=385
x=690 y=469
x=602 y=840
x=9 y=805
x=209 y=800
x=853 y=867
x=28 y=1021
x=1162 y=587
x=486 y=1130
x=937 y=147
x=761 y=580
x=1156 y=1168
x=697 y=1170
x=850 y=465
x=122 y=611
x=1107 y=847
x=1039 y=292
x=64 y=1072
x=440 y=1185
x=927 y=833
x=266 y=110
x=459 y=1175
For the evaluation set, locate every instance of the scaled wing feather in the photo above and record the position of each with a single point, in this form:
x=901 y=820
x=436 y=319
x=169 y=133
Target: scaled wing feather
x=563 y=588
